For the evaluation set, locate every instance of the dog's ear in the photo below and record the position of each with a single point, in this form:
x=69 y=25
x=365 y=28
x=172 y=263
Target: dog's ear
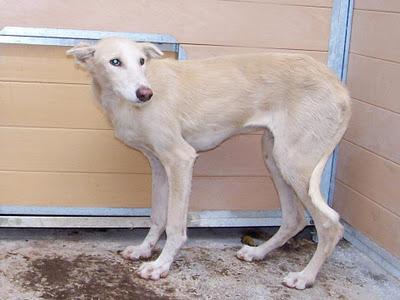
x=151 y=50
x=82 y=53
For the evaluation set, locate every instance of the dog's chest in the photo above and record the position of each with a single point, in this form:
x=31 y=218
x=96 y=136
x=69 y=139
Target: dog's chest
x=127 y=135
x=126 y=129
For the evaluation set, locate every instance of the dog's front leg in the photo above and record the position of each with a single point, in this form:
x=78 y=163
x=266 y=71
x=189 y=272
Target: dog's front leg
x=178 y=165
x=159 y=205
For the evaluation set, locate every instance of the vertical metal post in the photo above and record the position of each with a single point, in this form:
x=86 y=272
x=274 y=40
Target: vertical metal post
x=338 y=54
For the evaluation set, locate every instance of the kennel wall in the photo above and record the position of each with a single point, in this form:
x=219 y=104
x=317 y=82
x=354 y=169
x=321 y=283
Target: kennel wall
x=59 y=162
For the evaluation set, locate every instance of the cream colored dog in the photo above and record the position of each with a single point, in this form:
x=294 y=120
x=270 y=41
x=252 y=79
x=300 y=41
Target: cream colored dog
x=171 y=110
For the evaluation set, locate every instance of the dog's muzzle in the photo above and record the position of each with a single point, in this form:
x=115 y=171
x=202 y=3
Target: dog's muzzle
x=144 y=93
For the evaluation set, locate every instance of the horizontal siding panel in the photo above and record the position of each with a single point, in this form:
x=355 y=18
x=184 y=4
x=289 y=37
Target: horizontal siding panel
x=375 y=129
x=244 y=193
x=75 y=189
x=42 y=149
x=204 y=51
x=318 y=3
x=240 y=155
x=370 y=175
x=67 y=150
x=379 y=5
x=374 y=81
x=376 y=34
x=39 y=64
x=130 y=190
x=371 y=219
x=50 y=105
x=194 y=22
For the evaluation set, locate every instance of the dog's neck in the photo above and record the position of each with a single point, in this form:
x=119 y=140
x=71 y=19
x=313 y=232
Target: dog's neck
x=111 y=105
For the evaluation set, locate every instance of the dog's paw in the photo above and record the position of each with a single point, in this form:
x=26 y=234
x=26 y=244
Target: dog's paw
x=248 y=253
x=154 y=270
x=298 y=280
x=136 y=252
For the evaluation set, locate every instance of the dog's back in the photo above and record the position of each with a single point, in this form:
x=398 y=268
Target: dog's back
x=246 y=91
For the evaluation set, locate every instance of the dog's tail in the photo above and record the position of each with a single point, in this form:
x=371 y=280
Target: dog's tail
x=314 y=190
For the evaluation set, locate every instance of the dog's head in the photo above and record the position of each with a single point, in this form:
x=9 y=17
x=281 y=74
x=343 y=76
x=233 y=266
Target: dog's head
x=118 y=66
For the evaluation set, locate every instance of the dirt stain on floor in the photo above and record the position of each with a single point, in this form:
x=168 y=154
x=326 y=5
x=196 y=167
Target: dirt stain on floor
x=86 y=277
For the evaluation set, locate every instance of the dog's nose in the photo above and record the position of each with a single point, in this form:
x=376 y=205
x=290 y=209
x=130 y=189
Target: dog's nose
x=144 y=93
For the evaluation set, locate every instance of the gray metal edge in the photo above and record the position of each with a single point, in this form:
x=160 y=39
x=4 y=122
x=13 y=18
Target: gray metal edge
x=195 y=219
x=339 y=41
x=40 y=41
x=123 y=212
x=181 y=53
x=343 y=79
x=376 y=253
x=72 y=211
x=71 y=37
x=37 y=32
x=348 y=40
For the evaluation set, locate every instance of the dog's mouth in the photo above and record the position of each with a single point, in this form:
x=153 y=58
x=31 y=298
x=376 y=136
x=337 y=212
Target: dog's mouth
x=137 y=101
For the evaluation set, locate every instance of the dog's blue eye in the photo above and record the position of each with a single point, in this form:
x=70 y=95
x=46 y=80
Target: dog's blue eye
x=115 y=62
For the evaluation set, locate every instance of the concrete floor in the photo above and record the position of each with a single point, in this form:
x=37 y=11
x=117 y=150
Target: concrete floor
x=85 y=264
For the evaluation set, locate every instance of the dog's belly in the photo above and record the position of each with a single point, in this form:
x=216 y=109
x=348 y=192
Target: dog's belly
x=203 y=141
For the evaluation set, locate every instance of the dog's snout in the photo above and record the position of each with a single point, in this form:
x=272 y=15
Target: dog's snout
x=144 y=93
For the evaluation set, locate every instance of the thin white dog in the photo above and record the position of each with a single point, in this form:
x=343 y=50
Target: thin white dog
x=171 y=110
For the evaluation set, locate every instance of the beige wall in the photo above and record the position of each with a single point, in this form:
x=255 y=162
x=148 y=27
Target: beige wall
x=57 y=148
x=368 y=178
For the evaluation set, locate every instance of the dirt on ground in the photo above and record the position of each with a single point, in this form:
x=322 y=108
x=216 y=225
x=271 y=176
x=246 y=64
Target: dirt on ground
x=82 y=264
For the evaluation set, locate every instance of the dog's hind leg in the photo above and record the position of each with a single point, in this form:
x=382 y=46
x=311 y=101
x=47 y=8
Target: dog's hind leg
x=158 y=212
x=302 y=167
x=293 y=220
